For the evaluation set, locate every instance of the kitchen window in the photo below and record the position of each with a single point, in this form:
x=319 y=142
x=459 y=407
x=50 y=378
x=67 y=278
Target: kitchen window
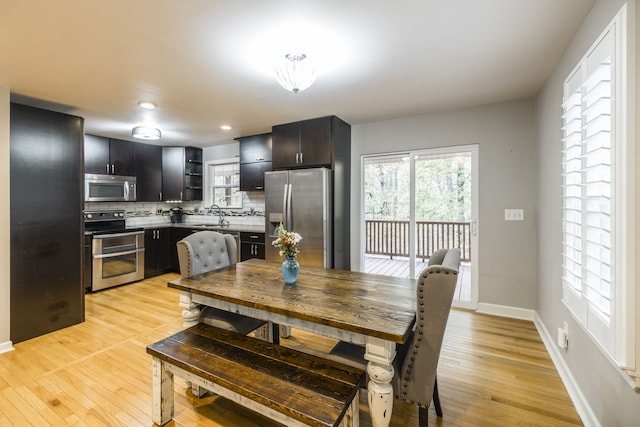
x=598 y=230
x=223 y=184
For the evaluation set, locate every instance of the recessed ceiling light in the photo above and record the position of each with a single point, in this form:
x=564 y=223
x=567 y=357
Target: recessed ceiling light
x=149 y=105
x=225 y=127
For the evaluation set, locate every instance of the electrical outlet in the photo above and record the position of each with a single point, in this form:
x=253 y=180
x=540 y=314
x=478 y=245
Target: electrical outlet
x=159 y=211
x=514 y=214
x=563 y=336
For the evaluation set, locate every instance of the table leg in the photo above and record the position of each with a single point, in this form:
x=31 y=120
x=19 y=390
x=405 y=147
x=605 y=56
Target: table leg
x=380 y=355
x=191 y=312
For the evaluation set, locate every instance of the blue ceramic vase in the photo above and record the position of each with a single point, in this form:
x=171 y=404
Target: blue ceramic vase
x=290 y=270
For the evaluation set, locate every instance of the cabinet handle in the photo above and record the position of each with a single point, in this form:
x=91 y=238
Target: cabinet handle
x=297 y=158
x=107 y=168
x=112 y=170
x=160 y=194
x=259 y=188
x=301 y=161
x=259 y=160
x=181 y=195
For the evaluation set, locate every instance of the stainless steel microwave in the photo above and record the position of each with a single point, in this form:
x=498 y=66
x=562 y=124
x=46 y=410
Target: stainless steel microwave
x=109 y=188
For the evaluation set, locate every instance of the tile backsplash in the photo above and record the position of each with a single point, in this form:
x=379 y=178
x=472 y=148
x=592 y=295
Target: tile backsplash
x=140 y=214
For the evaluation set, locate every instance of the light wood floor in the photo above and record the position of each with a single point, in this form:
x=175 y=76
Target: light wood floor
x=493 y=371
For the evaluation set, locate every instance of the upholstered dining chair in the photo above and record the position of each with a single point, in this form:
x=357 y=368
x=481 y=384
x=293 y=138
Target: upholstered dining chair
x=205 y=251
x=416 y=361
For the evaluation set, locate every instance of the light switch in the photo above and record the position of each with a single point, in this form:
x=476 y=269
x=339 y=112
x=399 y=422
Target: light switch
x=514 y=214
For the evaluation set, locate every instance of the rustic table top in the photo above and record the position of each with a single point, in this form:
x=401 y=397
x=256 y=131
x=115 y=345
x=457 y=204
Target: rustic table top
x=368 y=304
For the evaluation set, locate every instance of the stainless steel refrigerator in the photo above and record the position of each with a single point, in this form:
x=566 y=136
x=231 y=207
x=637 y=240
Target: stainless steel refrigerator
x=302 y=201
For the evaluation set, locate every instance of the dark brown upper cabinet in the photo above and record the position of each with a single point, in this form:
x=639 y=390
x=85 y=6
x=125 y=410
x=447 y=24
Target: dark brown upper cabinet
x=182 y=173
x=148 y=166
x=308 y=143
x=255 y=160
x=108 y=156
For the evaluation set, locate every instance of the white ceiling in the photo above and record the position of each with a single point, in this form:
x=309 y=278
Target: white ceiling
x=210 y=62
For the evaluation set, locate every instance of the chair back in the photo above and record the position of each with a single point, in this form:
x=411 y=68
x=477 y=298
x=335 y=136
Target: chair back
x=205 y=251
x=414 y=382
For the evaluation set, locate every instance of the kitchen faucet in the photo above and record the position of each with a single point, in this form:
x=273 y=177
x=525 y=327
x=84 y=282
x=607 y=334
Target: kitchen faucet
x=220 y=214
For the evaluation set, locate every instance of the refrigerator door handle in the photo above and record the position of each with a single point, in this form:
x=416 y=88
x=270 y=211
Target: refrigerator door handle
x=288 y=217
x=284 y=206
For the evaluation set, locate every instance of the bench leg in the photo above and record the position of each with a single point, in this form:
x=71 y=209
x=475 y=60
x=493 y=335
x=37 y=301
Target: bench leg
x=162 y=394
x=198 y=391
x=352 y=416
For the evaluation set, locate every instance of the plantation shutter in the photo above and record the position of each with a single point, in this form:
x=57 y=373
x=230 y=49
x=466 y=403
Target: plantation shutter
x=588 y=191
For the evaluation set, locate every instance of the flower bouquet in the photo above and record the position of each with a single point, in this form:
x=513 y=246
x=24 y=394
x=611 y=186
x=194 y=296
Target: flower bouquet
x=287 y=244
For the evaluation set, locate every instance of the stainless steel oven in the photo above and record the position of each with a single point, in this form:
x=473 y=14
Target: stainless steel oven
x=118 y=258
x=117 y=253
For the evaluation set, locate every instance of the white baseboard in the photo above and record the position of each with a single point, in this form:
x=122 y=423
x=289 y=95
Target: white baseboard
x=506 y=311
x=6 y=346
x=577 y=397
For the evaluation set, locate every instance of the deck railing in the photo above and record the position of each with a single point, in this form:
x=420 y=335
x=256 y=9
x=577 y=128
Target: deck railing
x=392 y=238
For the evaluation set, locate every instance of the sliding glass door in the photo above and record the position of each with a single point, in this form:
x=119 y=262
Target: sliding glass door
x=418 y=202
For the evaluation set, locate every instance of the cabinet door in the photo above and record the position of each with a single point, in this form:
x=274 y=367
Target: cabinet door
x=176 y=234
x=256 y=148
x=96 y=155
x=121 y=155
x=252 y=176
x=149 y=252
x=285 y=145
x=163 y=257
x=172 y=173
x=148 y=167
x=249 y=250
x=315 y=142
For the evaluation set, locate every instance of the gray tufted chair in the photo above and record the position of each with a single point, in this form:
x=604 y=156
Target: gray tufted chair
x=416 y=361
x=206 y=251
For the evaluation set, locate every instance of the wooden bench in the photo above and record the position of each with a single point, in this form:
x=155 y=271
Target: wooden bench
x=286 y=385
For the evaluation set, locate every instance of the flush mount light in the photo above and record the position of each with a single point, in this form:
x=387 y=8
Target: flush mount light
x=148 y=105
x=295 y=73
x=145 y=132
x=225 y=127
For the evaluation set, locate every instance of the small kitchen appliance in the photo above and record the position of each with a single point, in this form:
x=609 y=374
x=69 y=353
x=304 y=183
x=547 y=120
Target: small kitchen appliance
x=175 y=215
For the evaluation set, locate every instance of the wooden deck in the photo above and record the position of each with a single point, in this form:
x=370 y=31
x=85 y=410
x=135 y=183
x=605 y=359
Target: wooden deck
x=399 y=267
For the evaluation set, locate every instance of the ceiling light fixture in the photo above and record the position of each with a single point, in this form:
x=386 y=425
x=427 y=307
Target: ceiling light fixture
x=148 y=105
x=146 y=132
x=295 y=73
x=225 y=127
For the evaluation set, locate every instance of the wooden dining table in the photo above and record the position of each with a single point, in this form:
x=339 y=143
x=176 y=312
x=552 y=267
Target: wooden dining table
x=372 y=310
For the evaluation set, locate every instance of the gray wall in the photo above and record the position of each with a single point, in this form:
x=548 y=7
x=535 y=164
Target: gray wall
x=612 y=401
x=505 y=134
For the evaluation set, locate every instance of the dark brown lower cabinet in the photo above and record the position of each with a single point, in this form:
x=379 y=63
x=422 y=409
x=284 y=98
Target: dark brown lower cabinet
x=156 y=251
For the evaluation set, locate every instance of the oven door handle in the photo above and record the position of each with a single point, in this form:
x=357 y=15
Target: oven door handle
x=135 y=251
x=128 y=233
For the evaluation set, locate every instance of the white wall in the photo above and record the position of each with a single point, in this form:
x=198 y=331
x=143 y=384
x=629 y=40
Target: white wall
x=506 y=137
x=610 y=401
x=5 y=273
